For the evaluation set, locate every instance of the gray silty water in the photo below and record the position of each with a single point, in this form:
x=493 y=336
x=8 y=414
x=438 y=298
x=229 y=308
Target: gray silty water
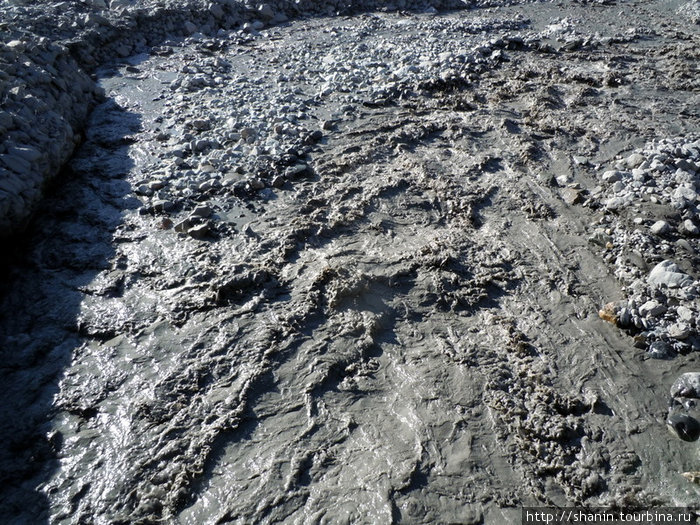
x=339 y=271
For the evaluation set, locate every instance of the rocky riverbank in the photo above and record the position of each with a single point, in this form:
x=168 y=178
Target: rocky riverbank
x=49 y=49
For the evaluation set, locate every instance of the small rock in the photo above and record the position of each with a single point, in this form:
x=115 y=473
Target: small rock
x=611 y=176
x=652 y=309
x=686 y=427
x=679 y=331
x=143 y=189
x=625 y=319
x=690 y=227
x=296 y=171
x=202 y=210
x=687 y=165
x=266 y=13
x=660 y=228
x=201 y=124
x=190 y=28
x=278 y=181
x=313 y=137
x=162 y=205
x=685 y=245
x=600 y=238
x=609 y=313
x=571 y=196
x=216 y=11
x=183 y=225
x=256 y=184
x=200 y=231
x=634 y=160
x=692 y=476
x=615 y=203
x=661 y=350
x=687 y=385
x=563 y=180
x=684 y=194
x=684 y=313
x=668 y=273
x=248 y=133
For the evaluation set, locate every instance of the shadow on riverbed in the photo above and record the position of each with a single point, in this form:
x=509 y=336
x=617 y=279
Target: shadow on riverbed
x=45 y=271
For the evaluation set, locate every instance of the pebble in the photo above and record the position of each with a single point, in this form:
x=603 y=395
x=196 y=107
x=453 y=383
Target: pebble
x=660 y=228
x=652 y=309
x=571 y=196
x=687 y=385
x=690 y=227
x=612 y=176
x=266 y=12
x=296 y=171
x=163 y=206
x=686 y=427
x=634 y=160
x=600 y=238
x=684 y=313
x=679 y=331
x=202 y=210
x=199 y=231
x=661 y=350
x=256 y=184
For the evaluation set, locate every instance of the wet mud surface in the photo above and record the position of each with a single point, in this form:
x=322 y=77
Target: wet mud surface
x=380 y=304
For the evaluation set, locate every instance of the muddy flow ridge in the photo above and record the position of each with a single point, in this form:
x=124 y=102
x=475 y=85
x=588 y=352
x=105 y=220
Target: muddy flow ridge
x=339 y=273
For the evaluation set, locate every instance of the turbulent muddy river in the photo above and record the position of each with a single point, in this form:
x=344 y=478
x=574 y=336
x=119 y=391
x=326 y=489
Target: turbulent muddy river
x=395 y=267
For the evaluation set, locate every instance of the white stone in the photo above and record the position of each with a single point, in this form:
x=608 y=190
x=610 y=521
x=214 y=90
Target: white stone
x=615 y=203
x=679 y=331
x=684 y=313
x=684 y=193
x=611 y=176
x=690 y=227
x=660 y=227
x=634 y=160
x=668 y=273
x=652 y=309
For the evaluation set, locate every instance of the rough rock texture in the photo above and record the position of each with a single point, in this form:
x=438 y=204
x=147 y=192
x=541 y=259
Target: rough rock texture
x=350 y=269
x=48 y=49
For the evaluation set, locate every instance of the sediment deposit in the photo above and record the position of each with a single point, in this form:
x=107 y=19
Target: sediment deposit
x=359 y=263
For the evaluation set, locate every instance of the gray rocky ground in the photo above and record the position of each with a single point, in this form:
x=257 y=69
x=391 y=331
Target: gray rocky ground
x=348 y=263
